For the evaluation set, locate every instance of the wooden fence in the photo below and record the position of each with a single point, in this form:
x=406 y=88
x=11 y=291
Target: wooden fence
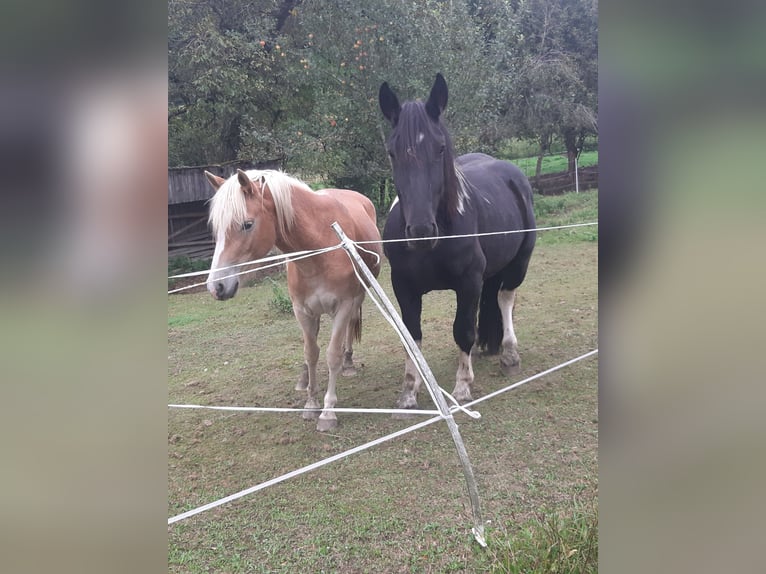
x=557 y=183
x=188 y=194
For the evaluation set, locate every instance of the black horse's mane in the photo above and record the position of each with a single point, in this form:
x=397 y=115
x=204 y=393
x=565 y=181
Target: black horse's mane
x=413 y=121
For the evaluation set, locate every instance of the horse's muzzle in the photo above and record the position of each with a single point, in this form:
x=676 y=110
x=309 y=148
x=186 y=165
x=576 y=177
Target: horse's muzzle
x=221 y=290
x=422 y=237
x=422 y=245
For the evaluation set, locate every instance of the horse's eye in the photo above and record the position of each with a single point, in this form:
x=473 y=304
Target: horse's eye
x=247 y=225
x=441 y=150
x=391 y=154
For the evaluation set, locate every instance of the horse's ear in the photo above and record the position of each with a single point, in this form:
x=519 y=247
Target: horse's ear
x=245 y=182
x=389 y=104
x=214 y=180
x=437 y=101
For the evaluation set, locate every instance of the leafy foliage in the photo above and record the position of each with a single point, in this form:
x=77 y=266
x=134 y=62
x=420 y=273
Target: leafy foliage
x=297 y=81
x=280 y=299
x=553 y=87
x=224 y=69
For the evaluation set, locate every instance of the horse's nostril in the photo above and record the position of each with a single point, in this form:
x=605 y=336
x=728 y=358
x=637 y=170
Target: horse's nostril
x=219 y=289
x=421 y=231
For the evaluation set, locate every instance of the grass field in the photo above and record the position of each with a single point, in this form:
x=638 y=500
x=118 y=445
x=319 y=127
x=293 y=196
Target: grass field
x=554 y=163
x=401 y=506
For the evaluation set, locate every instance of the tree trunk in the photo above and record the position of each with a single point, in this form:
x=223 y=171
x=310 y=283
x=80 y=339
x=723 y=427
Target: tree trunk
x=381 y=196
x=539 y=166
x=545 y=145
x=573 y=151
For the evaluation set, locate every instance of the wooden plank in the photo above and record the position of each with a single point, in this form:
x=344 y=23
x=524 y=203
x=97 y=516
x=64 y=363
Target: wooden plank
x=184 y=228
x=188 y=215
x=191 y=243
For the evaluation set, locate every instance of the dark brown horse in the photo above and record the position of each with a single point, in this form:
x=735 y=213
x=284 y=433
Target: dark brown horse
x=440 y=195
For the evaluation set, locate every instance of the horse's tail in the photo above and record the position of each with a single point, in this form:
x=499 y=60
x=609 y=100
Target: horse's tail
x=355 y=326
x=490 y=320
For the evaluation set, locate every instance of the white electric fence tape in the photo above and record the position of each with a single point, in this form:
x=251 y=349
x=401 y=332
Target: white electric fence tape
x=367 y=445
x=478 y=529
x=297 y=255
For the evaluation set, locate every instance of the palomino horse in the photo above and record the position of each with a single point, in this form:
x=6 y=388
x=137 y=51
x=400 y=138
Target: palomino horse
x=440 y=195
x=253 y=211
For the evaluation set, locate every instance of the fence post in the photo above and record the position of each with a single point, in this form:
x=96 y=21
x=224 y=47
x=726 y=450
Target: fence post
x=577 y=181
x=414 y=352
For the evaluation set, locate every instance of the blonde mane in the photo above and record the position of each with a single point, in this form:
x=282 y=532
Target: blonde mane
x=228 y=207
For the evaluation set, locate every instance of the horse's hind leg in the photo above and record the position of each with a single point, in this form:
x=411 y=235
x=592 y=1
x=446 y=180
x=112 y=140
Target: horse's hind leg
x=353 y=333
x=510 y=362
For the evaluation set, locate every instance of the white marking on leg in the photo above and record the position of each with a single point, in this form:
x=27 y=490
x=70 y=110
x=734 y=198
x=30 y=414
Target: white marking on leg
x=506 y=300
x=421 y=137
x=464 y=378
x=509 y=360
x=408 y=399
x=329 y=420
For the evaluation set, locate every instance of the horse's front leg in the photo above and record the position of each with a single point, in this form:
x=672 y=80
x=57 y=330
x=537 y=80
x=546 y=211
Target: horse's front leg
x=328 y=419
x=464 y=332
x=308 y=381
x=411 y=306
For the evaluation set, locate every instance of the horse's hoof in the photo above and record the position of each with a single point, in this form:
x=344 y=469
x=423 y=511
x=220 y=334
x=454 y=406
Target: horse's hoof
x=349 y=371
x=311 y=415
x=404 y=416
x=463 y=399
x=510 y=369
x=324 y=425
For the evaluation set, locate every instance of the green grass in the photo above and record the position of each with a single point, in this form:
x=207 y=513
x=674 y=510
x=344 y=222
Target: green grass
x=516 y=148
x=402 y=506
x=186 y=319
x=567 y=209
x=554 y=163
x=184 y=264
x=565 y=543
